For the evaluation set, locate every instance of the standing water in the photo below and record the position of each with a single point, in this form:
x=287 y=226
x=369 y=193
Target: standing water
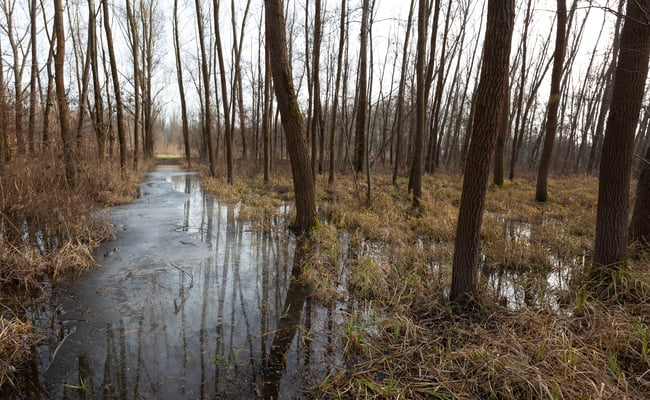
x=189 y=303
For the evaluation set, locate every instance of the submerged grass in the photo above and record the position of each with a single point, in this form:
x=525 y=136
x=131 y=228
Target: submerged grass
x=49 y=229
x=560 y=342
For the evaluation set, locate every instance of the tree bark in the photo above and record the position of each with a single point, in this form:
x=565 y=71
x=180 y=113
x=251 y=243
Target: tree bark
x=504 y=128
x=207 y=120
x=292 y=122
x=3 y=114
x=553 y=103
x=98 y=112
x=640 y=226
x=420 y=112
x=237 y=82
x=362 y=92
x=31 y=127
x=520 y=96
x=266 y=117
x=489 y=98
x=121 y=137
x=607 y=94
x=224 y=95
x=316 y=127
x=335 y=106
x=66 y=137
x=181 y=88
x=135 y=38
x=616 y=162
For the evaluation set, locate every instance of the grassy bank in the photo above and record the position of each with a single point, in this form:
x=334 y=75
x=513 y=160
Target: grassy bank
x=48 y=230
x=537 y=333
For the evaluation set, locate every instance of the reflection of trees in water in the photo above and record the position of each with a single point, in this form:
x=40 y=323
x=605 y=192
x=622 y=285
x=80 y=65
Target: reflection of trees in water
x=276 y=362
x=240 y=309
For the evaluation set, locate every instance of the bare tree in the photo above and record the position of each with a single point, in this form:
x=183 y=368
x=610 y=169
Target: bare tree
x=3 y=114
x=522 y=84
x=504 y=128
x=207 y=120
x=85 y=76
x=98 y=111
x=15 y=42
x=490 y=92
x=607 y=93
x=303 y=180
x=616 y=162
x=181 y=89
x=135 y=45
x=121 y=137
x=397 y=122
x=640 y=226
x=316 y=126
x=553 y=103
x=237 y=87
x=433 y=144
x=420 y=112
x=66 y=137
x=224 y=94
x=335 y=106
x=31 y=127
x=266 y=117
x=362 y=92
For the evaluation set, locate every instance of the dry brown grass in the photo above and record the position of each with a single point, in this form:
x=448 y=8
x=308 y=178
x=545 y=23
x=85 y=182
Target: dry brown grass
x=16 y=340
x=418 y=347
x=48 y=229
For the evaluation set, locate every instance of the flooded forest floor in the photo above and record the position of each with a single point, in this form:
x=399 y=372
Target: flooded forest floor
x=203 y=293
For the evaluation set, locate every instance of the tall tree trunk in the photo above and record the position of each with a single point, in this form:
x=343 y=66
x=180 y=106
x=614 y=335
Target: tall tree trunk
x=98 y=113
x=335 y=106
x=362 y=90
x=520 y=95
x=420 y=112
x=489 y=98
x=266 y=117
x=237 y=82
x=397 y=123
x=640 y=226
x=34 y=74
x=66 y=137
x=292 y=123
x=553 y=103
x=416 y=166
x=85 y=75
x=616 y=162
x=17 y=70
x=607 y=94
x=207 y=120
x=316 y=128
x=121 y=137
x=502 y=136
x=224 y=94
x=434 y=138
x=181 y=89
x=135 y=43
x=3 y=114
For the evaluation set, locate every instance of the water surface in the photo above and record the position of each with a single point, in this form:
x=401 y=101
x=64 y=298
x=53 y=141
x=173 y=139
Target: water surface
x=190 y=303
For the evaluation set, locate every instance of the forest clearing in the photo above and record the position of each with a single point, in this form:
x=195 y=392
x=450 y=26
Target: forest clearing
x=301 y=199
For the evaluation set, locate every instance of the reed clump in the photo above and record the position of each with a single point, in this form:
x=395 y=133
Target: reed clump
x=47 y=229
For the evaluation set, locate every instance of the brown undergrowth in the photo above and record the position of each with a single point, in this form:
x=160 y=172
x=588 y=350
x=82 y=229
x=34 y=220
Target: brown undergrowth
x=539 y=333
x=48 y=229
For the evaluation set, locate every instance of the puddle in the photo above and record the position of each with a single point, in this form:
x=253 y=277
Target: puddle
x=190 y=303
x=543 y=288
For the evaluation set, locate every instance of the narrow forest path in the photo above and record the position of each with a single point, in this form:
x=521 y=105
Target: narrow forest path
x=189 y=303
